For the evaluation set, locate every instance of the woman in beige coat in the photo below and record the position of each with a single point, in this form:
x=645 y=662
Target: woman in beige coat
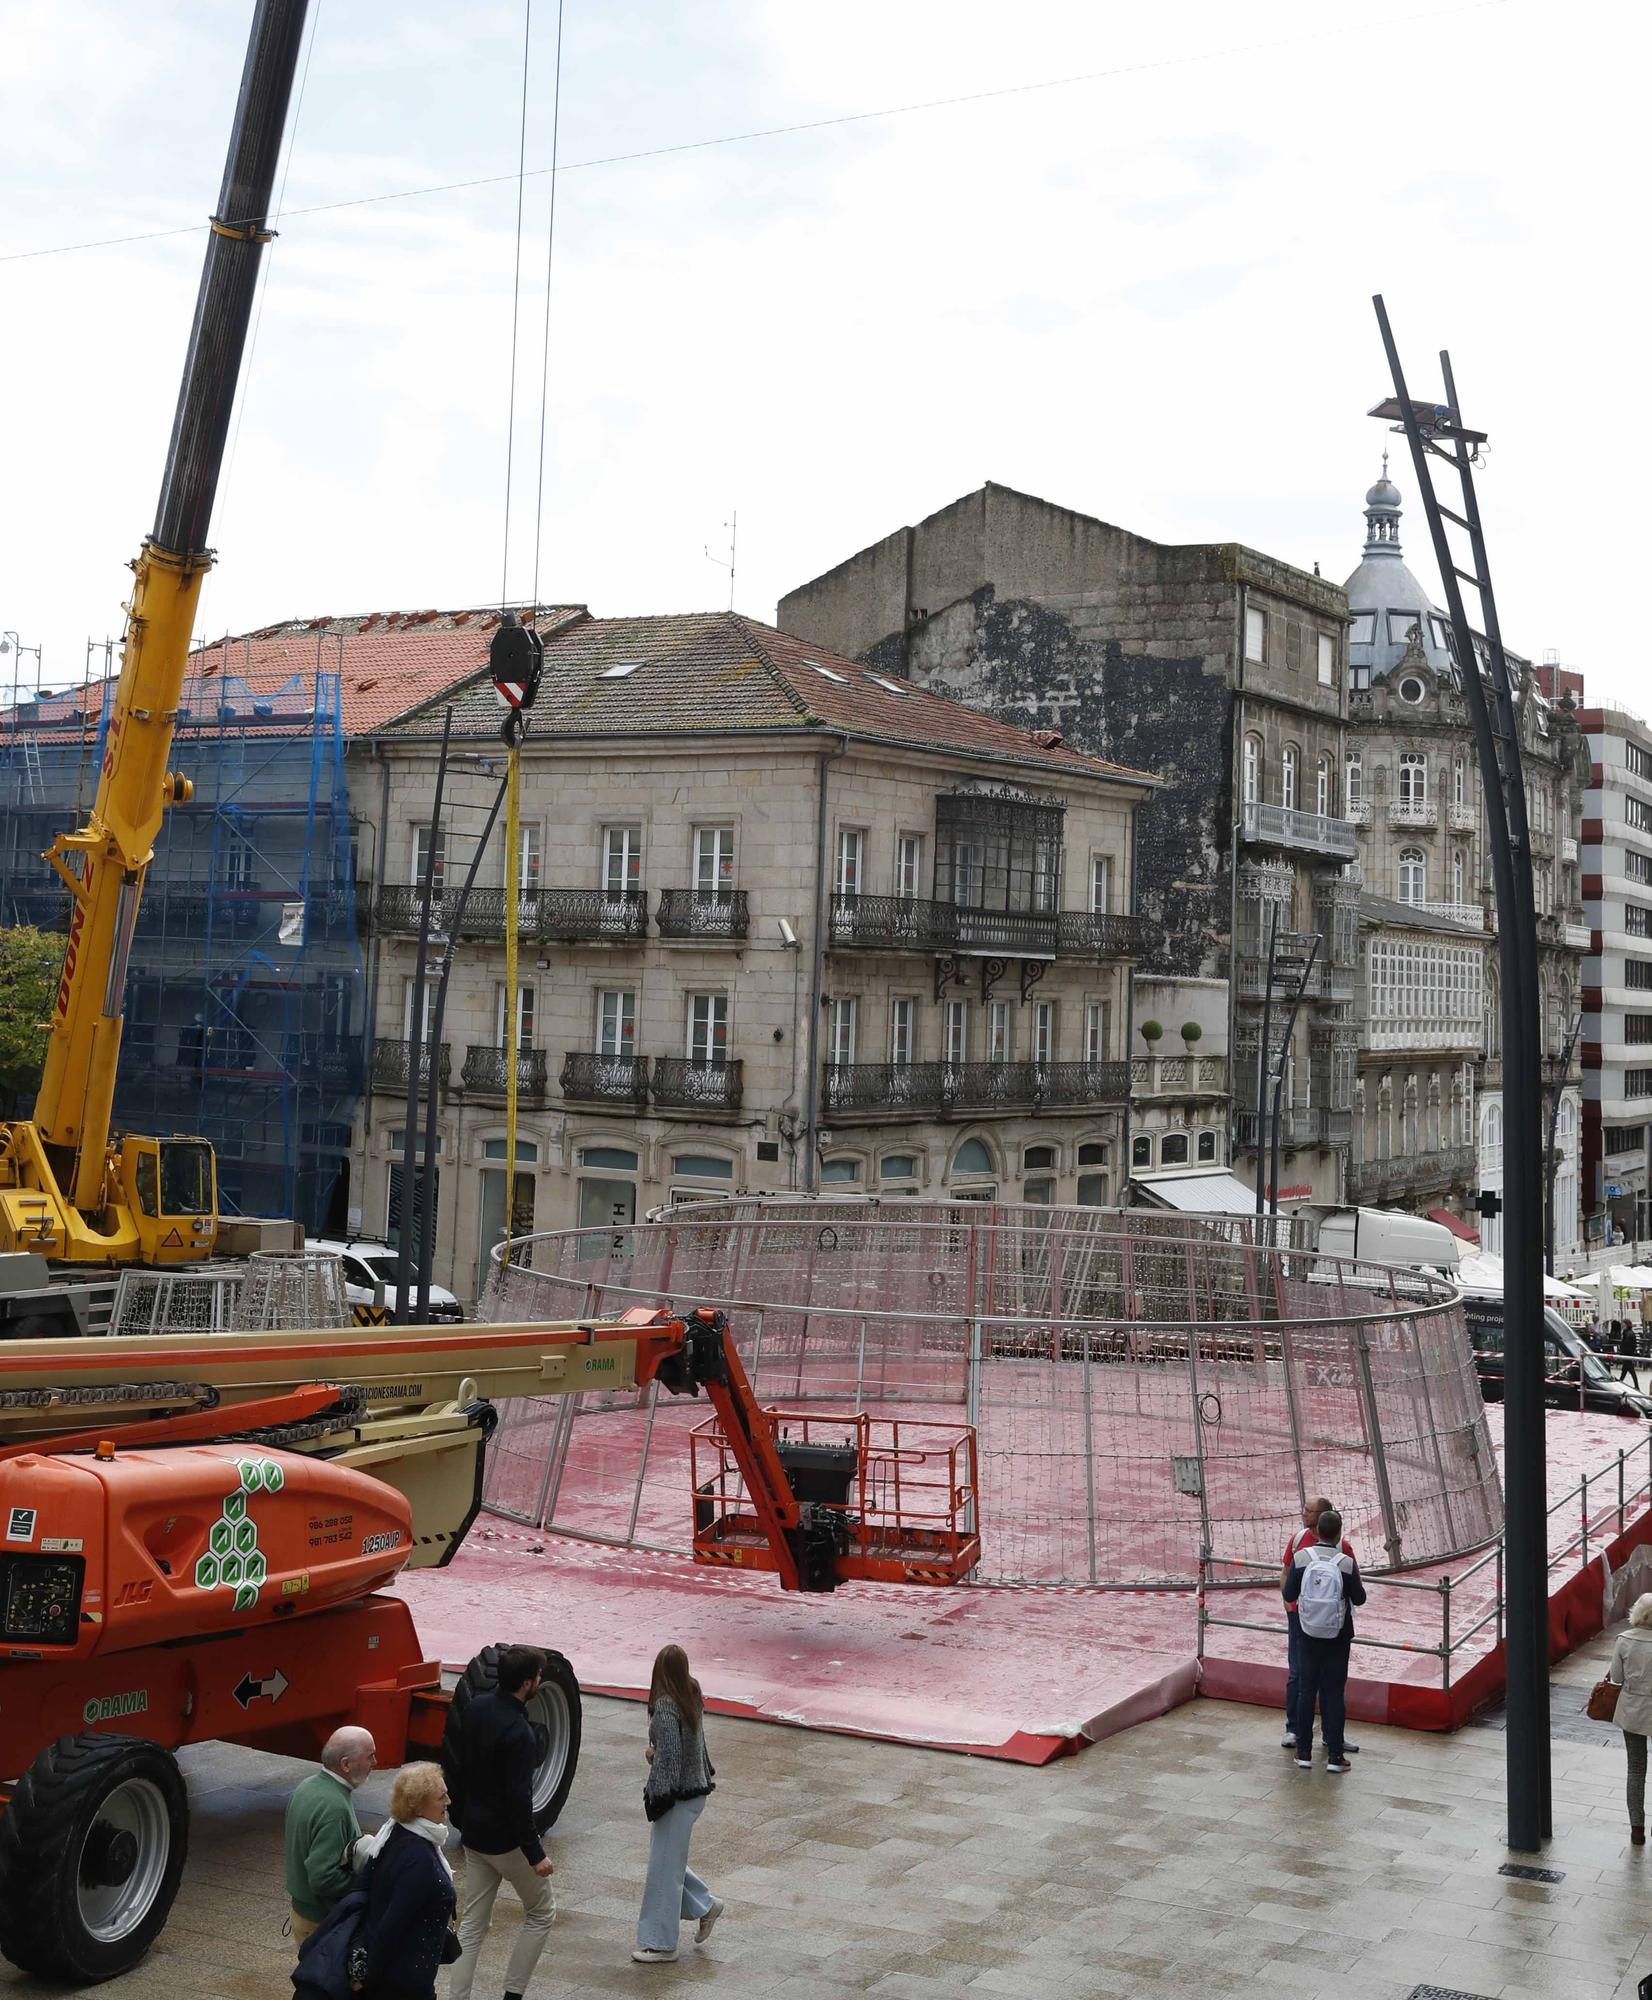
x=1631 y=1669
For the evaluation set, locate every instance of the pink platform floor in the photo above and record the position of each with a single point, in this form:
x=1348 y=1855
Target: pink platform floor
x=1017 y=1672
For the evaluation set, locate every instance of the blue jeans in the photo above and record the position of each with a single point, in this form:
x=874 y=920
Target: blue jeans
x=1322 y=1681
x=672 y=1893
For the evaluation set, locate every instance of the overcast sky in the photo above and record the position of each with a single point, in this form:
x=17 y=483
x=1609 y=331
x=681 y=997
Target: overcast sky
x=1145 y=296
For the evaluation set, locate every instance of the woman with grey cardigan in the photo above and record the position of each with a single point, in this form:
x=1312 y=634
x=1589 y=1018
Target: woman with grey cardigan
x=679 y=1781
x=1631 y=1669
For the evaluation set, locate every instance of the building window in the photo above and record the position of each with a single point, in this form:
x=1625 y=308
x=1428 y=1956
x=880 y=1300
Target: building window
x=1322 y=789
x=1207 y=1146
x=909 y=866
x=838 y=1171
x=1043 y=1048
x=845 y=1014
x=524 y=1017
x=1141 y=1150
x=1637 y=973
x=1637 y=1029
x=1288 y=762
x=702 y=1166
x=1638 y=812
x=1092 y=1190
x=1095 y=1031
x=1622 y=1138
x=1173 y=1150
x=616 y=1023
x=1101 y=884
x=1413 y=875
x=1413 y=778
x=1327 y=660
x=1256 y=632
x=713 y=859
x=1353 y=778
x=708 y=1029
x=998 y=1031
x=422 y=858
x=957 y=1033
x=1457 y=875
x=1094 y=1153
x=1637 y=1083
x=1637 y=920
x=1459 y=782
x=530 y=857
x=851 y=846
x=1362 y=628
x=609 y=1159
x=1412 y=690
x=1038 y=1158
x=972 y=1157
x=898 y=1167
x=1038 y=1193
x=1638 y=867
x=900 y=1031
x=621 y=860
x=1251 y=773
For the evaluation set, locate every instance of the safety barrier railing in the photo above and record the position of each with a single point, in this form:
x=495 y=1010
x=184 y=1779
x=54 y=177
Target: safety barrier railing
x=1600 y=1524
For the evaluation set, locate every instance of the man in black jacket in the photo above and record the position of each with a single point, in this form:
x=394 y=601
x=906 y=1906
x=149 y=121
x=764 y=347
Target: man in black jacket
x=493 y=1810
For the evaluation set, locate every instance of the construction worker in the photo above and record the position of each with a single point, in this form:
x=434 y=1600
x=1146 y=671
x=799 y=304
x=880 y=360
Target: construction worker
x=323 y=1831
x=493 y=1810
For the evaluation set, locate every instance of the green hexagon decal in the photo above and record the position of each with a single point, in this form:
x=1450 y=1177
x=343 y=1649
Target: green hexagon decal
x=274 y=1477
x=234 y=1561
x=235 y=1507
x=253 y=1570
x=231 y=1570
x=252 y=1473
x=222 y=1538
x=246 y=1537
x=206 y=1573
x=246 y=1597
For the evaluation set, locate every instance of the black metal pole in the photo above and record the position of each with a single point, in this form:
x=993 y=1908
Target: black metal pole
x=1550 y=1162
x=416 y=1043
x=427 y=1186
x=1279 y=1068
x=1262 y=1068
x=1495 y=722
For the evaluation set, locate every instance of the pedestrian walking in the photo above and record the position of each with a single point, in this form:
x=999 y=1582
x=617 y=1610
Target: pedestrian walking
x=406 y=1931
x=680 y=1779
x=1631 y=1670
x=323 y=1833
x=1623 y=1345
x=1323 y=1584
x=1304 y=1538
x=494 y=1814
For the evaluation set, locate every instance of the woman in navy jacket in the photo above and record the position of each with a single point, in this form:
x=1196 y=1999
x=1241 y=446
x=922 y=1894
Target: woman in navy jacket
x=410 y=1897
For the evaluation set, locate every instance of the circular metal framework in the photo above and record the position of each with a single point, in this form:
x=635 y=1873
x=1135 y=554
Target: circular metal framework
x=1142 y=1385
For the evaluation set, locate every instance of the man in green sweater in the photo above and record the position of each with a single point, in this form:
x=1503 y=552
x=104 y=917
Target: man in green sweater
x=322 y=1829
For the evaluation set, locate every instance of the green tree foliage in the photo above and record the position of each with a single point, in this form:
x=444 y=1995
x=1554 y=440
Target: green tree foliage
x=30 y=961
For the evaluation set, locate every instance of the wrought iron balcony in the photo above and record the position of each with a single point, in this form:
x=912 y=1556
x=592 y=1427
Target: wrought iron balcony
x=599 y=1079
x=568 y=916
x=911 y=923
x=703 y=914
x=1299 y=1125
x=1413 y=812
x=486 y=1072
x=1311 y=833
x=1358 y=812
x=1096 y=934
x=684 y=1084
x=944 y=1088
x=392 y=1061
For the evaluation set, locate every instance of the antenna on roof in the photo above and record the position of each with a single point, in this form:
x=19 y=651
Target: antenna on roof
x=732 y=524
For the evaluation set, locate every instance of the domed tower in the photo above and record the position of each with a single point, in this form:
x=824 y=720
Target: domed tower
x=1385 y=600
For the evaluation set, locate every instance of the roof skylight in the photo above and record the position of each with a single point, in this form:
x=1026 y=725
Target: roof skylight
x=889 y=687
x=619 y=670
x=827 y=674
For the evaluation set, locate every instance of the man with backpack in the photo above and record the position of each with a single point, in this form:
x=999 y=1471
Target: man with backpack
x=1302 y=1538
x=1322 y=1585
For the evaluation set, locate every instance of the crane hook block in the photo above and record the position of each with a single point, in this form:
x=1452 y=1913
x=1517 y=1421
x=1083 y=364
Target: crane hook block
x=516 y=659
x=176 y=789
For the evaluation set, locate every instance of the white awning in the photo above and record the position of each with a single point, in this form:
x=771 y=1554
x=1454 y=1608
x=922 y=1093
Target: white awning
x=1196 y=1191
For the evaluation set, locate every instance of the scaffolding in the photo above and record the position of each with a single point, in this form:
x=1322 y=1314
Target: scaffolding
x=245 y=1004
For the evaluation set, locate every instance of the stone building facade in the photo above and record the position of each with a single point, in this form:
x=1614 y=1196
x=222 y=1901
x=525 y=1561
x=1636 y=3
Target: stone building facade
x=1412 y=787
x=1617 y=1001
x=785 y=922
x=1222 y=671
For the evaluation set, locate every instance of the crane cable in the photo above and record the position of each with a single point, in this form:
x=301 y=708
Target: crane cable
x=513 y=765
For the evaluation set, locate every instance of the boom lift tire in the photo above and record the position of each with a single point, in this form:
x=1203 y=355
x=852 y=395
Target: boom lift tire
x=92 y=1847
x=553 y=1715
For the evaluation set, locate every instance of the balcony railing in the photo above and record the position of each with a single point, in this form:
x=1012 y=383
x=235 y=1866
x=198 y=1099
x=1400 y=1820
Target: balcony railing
x=1312 y=833
x=1461 y=818
x=599 y=1079
x=717 y=914
x=1178 y=1076
x=1470 y=914
x=569 y=916
x=912 y=923
x=1568 y=848
x=682 y=1082
x=1447 y=1166
x=1578 y=937
x=1299 y=1125
x=1358 y=812
x=943 y=1088
x=1094 y=934
x=393 y=1060
x=1413 y=812
x=486 y=1071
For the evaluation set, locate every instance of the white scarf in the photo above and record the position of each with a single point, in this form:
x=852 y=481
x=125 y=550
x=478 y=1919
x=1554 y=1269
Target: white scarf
x=436 y=1831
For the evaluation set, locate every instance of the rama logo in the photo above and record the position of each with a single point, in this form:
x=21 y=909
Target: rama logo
x=106 y=1707
x=71 y=955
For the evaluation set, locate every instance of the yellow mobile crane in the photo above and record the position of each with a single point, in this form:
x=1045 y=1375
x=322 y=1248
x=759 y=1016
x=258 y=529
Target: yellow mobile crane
x=66 y=1191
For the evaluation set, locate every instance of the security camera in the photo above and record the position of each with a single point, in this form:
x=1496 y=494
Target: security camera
x=788 y=937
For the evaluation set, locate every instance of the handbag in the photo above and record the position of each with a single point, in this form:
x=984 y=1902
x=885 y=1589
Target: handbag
x=452 y=1949
x=1602 y=1705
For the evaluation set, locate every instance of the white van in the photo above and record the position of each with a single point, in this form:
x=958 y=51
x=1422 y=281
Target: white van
x=368 y=1266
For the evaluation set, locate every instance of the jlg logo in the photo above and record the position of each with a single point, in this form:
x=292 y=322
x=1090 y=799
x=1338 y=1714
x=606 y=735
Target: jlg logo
x=71 y=956
x=135 y=1593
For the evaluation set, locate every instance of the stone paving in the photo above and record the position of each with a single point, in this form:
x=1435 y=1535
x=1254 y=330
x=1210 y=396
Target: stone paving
x=1186 y=1857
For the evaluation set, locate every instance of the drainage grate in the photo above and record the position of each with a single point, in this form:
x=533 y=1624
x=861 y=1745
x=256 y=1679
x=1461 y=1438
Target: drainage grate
x=1444 y=1993
x=1523 y=1872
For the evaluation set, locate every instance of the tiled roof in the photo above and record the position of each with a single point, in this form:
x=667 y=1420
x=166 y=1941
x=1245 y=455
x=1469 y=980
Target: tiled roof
x=717 y=671
x=387 y=662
